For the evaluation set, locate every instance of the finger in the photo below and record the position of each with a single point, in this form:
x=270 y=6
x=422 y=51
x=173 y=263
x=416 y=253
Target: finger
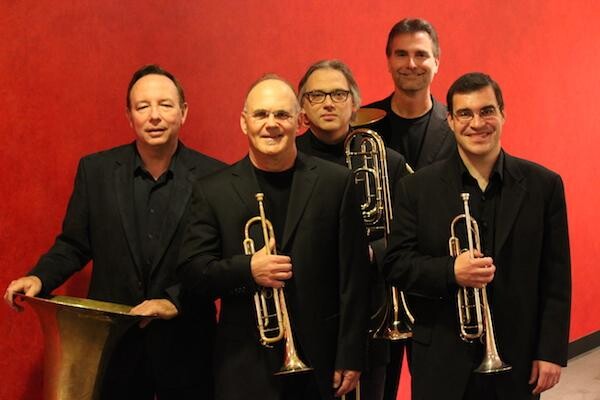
x=272 y=244
x=534 y=373
x=282 y=276
x=337 y=379
x=345 y=387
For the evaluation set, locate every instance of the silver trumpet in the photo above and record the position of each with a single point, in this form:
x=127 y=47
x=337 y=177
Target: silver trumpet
x=271 y=311
x=473 y=309
x=366 y=157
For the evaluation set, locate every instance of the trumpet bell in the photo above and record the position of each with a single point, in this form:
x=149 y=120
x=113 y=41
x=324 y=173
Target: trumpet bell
x=492 y=364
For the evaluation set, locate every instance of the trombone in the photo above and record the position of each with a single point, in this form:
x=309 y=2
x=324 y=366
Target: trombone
x=366 y=157
x=474 y=312
x=271 y=311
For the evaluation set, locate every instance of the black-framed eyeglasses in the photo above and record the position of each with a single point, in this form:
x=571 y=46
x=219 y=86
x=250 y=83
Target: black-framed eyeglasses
x=466 y=115
x=279 y=115
x=319 y=96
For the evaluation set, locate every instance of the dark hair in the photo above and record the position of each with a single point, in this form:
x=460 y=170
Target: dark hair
x=473 y=82
x=153 y=69
x=336 y=65
x=413 y=26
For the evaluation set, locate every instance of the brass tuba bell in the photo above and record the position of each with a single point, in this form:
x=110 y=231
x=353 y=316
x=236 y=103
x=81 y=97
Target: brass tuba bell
x=79 y=336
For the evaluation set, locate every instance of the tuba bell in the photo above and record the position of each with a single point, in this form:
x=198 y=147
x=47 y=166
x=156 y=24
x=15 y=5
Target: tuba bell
x=271 y=311
x=474 y=314
x=79 y=336
x=366 y=157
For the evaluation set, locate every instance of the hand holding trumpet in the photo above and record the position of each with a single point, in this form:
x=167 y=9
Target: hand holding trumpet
x=473 y=272
x=268 y=269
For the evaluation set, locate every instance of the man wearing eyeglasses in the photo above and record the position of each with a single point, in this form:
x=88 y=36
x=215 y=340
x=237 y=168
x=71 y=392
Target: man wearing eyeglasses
x=415 y=124
x=321 y=261
x=330 y=98
x=524 y=261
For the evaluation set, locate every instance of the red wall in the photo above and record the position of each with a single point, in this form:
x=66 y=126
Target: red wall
x=64 y=67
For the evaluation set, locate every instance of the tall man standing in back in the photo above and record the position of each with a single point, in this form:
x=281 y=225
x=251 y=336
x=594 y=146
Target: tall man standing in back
x=415 y=124
x=127 y=214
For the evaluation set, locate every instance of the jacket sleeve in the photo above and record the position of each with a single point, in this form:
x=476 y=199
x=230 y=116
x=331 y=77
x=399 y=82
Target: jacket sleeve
x=71 y=250
x=555 y=281
x=202 y=267
x=409 y=264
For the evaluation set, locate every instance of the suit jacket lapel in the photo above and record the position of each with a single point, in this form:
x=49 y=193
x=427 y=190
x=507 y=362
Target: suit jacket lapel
x=303 y=184
x=513 y=194
x=245 y=184
x=434 y=135
x=123 y=178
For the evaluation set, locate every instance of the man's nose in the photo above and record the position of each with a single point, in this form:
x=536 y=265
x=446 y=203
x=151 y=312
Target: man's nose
x=328 y=100
x=477 y=121
x=411 y=62
x=155 y=114
x=271 y=120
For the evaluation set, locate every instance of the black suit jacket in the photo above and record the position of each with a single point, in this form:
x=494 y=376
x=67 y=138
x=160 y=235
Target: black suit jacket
x=100 y=226
x=529 y=296
x=308 y=143
x=439 y=140
x=327 y=296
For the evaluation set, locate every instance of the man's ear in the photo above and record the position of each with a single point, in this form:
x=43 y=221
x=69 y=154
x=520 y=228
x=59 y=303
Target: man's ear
x=243 y=123
x=128 y=116
x=184 y=112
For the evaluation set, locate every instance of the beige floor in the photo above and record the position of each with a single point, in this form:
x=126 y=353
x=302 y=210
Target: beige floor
x=580 y=380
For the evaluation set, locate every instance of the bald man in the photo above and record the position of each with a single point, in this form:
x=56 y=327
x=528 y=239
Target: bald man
x=321 y=262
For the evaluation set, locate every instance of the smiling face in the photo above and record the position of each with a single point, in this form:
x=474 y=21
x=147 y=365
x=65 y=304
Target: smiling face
x=270 y=120
x=156 y=113
x=329 y=120
x=411 y=61
x=479 y=138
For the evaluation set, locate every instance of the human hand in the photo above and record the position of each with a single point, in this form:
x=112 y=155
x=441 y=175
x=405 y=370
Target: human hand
x=30 y=285
x=544 y=375
x=344 y=381
x=270 y=270
x=473 y=272
x=154 y=308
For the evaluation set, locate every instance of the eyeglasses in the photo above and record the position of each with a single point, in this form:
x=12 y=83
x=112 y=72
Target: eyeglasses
x=319 y=96
x=279 y=115
x=466 y=115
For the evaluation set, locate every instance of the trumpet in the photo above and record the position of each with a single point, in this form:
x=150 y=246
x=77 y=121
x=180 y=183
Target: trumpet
x=271 y=311
x=474 y=312
x=366 y=157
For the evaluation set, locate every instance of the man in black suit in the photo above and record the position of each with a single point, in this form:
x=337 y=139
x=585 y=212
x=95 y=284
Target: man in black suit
x=330 y=98
x=321 y=266
x=525 y=262
x=415 y=124
x=127 y=214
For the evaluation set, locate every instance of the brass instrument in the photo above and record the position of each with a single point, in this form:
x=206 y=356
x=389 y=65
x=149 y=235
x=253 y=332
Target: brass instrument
x=473 y=309
x=366 y=157
x=270 y=302
x=79 y=336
